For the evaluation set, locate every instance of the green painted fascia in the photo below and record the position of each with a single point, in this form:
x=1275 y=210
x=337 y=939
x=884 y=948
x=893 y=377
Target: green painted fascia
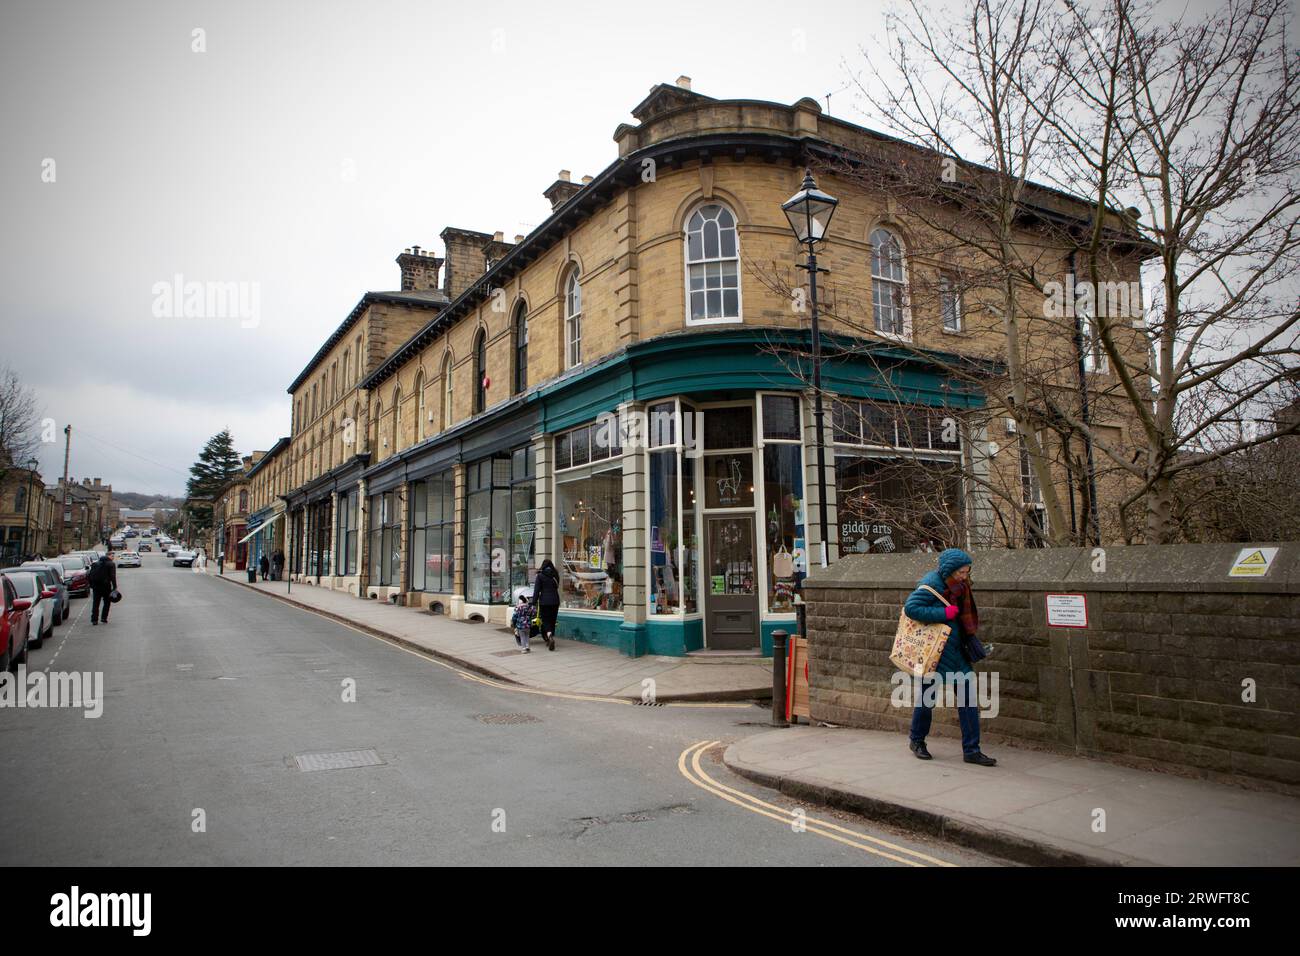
x=747 y=360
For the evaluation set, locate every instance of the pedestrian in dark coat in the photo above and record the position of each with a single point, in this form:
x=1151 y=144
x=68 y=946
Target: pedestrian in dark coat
x=952 y=580
x=546 y=595
x=103 y=582
x=265 y=566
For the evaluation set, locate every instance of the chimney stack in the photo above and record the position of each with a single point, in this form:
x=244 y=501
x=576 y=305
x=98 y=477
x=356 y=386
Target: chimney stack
x=562 y=190
x=684 y=82
x=419 y=270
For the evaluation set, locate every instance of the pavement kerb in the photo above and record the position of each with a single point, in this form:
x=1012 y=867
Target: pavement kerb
x=475 y=668
x=975 y=836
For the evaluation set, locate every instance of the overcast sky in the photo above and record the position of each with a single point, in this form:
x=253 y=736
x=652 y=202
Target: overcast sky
x=302 y=151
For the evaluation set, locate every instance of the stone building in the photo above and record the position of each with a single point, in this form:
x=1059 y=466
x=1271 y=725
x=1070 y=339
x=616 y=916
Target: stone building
x=26 y=512
x=231 y=507
x=625 y=391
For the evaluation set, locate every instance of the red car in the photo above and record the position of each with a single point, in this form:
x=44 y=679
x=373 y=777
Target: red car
x=76 y=572
x=15 y=623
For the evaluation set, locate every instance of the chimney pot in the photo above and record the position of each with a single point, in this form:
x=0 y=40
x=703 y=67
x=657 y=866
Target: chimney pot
x=519 y=237
x=585 y=180
x=684 y=82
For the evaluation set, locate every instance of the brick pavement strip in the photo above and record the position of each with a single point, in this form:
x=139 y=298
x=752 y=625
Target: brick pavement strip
x=574 y=668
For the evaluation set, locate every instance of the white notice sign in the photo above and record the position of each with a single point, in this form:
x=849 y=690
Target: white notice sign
x=1253 y=563
x=1067 y=610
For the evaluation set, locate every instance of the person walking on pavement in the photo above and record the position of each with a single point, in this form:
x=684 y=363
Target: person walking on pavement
x=952 y=580
x=264 y=565
x=546 y=595
x=277 y=564
x=103 y=582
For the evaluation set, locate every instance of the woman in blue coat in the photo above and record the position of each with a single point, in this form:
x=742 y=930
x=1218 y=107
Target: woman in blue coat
x=952 y=580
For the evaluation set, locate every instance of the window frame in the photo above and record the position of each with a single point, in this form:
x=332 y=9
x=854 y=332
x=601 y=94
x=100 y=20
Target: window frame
x=904 y=334
x=572 y=318
x=739 y=318
x=519 y=331
x=480 y=371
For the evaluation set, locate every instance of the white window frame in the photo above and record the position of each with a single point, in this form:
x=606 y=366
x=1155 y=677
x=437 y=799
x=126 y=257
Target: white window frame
x=950 y=292
x=573 y=319
x=1095 y=359
x=904 y=307
x=688 y=263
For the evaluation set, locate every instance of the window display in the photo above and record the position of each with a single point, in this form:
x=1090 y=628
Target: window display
x=665 y=540
x=783 y=496
x=898 y=504
x=589 y=519
x=432 y=533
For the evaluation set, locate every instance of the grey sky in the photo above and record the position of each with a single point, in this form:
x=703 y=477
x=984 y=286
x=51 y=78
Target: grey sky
x=302 y=151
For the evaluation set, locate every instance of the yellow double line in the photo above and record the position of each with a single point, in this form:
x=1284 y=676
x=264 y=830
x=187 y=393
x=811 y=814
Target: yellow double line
x=688 y=764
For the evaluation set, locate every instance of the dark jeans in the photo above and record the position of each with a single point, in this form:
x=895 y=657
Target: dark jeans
x=967 y=717
x=549 y=613
x=98 y=597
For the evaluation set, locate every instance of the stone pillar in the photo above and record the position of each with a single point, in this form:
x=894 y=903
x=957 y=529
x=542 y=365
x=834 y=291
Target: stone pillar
x=812 y=490
x=636 y=515
x=363 y=540
x=543 y=499
x=334 y=535
x=403 y=540
x=458 y=538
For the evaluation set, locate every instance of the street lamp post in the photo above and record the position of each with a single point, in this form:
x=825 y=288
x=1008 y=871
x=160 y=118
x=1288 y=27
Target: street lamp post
x=27 y=520
x=809 y=212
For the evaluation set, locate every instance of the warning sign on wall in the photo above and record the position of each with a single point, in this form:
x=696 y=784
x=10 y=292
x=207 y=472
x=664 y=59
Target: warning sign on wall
x=1253 y=563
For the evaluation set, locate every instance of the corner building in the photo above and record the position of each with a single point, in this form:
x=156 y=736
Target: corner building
x=452 y=434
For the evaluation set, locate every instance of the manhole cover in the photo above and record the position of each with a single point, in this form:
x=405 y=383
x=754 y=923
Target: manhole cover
x=507 y=719
x=339 y=760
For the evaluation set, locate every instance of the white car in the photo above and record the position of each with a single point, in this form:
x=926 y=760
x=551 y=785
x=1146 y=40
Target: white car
x=173 y=550
x=128 y=559
x=41 y=602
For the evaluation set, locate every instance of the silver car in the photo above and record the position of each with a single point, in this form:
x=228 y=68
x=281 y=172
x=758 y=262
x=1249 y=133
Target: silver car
x=62 y=603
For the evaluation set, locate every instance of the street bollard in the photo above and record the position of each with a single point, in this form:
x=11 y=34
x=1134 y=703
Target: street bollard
x=779 y=639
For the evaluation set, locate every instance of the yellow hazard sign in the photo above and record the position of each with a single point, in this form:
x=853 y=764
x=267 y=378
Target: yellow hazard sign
x=1253 y=562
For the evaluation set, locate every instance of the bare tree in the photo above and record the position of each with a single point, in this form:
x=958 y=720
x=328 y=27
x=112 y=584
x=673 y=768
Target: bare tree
x=19 y=435
x=1192 y=125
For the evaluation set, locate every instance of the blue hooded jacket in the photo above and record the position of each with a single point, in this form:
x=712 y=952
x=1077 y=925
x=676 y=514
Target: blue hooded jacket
x=925 y=607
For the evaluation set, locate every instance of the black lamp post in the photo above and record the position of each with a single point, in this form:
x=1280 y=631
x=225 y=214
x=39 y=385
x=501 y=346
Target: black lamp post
x=809 y=211
x=27 y=520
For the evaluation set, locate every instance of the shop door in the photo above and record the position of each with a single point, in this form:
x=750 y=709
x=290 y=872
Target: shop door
x=730 y=585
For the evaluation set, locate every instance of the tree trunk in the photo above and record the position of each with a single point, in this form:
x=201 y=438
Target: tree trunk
x=1160 y=510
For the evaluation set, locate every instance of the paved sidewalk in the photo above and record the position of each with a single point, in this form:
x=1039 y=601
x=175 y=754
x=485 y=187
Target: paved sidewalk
x=1034 y=807
x=574 y=667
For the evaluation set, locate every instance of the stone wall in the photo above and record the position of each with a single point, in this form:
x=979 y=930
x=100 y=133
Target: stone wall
x=1160 y=676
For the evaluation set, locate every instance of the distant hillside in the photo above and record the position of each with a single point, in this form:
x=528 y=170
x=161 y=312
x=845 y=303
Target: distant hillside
x=135 y=500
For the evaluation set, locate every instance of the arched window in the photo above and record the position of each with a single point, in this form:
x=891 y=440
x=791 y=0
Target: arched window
x=243 y=499
x=480 y=372
x=347 y=368
x=712 y=265
x=361 y=364
x=314 y=389
x=374 y=427
x=419 y=407
x=888 y=282
x=397 y=418
x=572 y=320
x=521 y=348
x=445 y=416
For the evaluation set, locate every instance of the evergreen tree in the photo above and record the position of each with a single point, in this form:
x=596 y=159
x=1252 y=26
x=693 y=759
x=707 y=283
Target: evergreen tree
x=218 y=462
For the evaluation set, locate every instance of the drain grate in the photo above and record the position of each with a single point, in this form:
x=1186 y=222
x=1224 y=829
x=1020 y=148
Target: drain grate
x=338 y=760
x=648 y=703
x=507 y=719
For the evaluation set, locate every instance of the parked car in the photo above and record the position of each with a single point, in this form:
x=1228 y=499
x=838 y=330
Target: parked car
x=64 y=600
x=143 y=548
x=15 y=627
x=38 y=600
x=76 y=572
x=173 y=550
x=183 y=559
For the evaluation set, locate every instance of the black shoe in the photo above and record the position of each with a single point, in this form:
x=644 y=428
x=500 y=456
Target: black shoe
x=94 y=623
x=979 y=758
x=550 y=643
x=918 y=748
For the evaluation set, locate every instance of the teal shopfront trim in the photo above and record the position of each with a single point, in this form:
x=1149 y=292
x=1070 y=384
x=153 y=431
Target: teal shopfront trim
x=743 y=361
x=670 y=636
x=604 y=630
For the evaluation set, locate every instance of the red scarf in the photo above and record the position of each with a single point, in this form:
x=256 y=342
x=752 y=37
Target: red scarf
x=968 y=615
